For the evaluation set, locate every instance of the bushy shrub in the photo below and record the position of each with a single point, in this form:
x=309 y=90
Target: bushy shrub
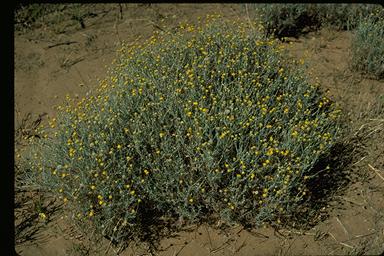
x=344 y=16
x=210 y=120
x=368 y=46
x=284 y=20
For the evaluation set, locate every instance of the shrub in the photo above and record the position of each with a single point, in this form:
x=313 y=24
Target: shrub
x=344 y=16
x=368 y=47
x=284 y=20
x=210 y=120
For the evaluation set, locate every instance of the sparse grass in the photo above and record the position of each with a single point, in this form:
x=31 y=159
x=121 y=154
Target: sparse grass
x=26 y=15
x=286 y=20
x=59 y=18
x=32 y=208
x=368 y=47
x=292 y=20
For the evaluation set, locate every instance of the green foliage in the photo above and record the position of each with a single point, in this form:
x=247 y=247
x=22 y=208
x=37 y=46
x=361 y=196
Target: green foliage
x=345 y=16
x=368 y=47
x=205 y=121
x=284 y=20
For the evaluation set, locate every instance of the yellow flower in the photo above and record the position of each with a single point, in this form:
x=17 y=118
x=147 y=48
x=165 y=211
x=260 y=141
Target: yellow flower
x=266 y=162
x=270 y=152
x=42 y=216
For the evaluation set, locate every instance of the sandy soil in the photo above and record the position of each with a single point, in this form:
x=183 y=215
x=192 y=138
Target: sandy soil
x=53 y=61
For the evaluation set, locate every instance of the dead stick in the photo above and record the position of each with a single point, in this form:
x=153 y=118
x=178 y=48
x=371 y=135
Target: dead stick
x=222 y=246
x=63 y=43
x=347 y=245
x=377 y=171
x=341 y=224
x=249 y=20
x=121 y=11
x=180 y=250
x=209 y=237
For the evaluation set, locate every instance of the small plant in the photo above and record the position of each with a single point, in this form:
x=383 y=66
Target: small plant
x=209 y=120
x=368 y=47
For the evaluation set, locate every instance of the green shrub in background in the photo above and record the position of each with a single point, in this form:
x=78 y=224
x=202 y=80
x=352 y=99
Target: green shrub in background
x=285 y=20
x=368 y=46
x=211 y=120
x=345 y=16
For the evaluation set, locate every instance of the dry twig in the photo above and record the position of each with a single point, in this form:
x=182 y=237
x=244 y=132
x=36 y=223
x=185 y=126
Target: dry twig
x=376 y=171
